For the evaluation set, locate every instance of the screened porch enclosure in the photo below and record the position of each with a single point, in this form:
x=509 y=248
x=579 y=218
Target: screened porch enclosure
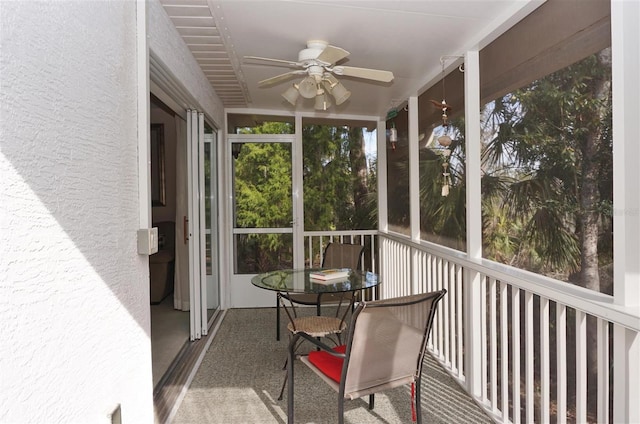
x=517 y=216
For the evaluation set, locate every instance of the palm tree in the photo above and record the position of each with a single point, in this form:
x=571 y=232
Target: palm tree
x=547 y=163
x=546 y=158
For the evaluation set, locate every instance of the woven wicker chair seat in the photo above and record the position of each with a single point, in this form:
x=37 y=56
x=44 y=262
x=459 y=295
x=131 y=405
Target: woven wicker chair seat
x=317 y=326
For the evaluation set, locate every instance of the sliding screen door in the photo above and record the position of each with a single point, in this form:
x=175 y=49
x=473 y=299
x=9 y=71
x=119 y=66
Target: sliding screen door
x=196 y=225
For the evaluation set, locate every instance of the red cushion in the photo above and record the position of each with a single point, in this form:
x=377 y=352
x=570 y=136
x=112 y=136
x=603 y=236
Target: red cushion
x=330 y=365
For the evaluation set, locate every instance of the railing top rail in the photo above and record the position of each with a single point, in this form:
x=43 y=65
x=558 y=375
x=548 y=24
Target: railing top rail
x=341 y=233
x=580 y=298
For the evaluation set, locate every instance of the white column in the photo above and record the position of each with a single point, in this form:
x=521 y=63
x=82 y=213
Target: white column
x=144 y=142
x=414 y=190
x=383 y=218
x=625 y=48
x=473 y=365
x=626 y=368
x=414 y=171
x=298 y=201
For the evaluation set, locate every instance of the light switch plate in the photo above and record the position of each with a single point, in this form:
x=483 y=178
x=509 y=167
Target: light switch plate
x=148 y=241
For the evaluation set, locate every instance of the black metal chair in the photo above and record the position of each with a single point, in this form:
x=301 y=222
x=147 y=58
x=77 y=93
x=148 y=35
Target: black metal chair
x=336 y=255
x=385 y=348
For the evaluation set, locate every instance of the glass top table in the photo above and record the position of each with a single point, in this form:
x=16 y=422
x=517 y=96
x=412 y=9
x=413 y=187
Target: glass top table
x=298 y=281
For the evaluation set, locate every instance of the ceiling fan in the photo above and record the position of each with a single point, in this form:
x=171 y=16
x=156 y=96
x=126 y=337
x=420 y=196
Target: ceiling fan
x=318 y=62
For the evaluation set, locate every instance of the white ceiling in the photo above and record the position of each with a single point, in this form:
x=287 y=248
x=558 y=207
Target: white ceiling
x=407 y=38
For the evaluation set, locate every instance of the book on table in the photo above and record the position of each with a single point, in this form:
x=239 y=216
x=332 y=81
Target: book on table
x=329 y=274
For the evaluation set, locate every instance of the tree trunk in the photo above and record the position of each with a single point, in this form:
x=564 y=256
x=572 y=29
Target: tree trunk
x=589 y=193
x=589 y=215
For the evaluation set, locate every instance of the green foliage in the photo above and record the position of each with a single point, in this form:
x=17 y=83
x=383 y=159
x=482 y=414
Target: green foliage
x=335 y=177
x=443 y=218
x=263 y=198
x=337 y=187
x=547 y=145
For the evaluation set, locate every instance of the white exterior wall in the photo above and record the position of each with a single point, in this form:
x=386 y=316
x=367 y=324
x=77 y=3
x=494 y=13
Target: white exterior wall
x=74 y=293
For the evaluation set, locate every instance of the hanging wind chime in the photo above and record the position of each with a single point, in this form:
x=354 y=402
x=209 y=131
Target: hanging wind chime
x=444 y=140
x=393 y=132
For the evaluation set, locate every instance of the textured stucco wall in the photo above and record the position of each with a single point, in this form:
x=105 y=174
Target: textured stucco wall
x=74 y=309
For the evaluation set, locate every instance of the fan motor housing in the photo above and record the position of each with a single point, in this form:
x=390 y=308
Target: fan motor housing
x=313 y=50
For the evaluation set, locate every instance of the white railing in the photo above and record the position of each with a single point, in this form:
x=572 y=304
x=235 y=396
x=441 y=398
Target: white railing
x=316 y=241
x=514 y=340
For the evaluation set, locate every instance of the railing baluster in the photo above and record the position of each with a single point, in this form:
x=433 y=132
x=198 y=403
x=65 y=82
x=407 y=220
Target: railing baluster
x=493 y=336
x=483 y=335
x=445 y=313
x=544 y=360
x=440 y=324
x=515 y=349
x=452 y=317
x=603 y=371
x=528 y=323
x=504 y=353
x=581 y=367
x=459 y=317
x=561 y=363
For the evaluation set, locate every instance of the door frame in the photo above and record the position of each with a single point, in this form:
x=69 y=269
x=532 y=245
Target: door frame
x=241 y=293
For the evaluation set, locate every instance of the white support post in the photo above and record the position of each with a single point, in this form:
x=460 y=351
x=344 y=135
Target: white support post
x=625 y=50
x=414 y=169
x=626 y=368
x=144 y=142
x=625 y=53
x=472 y=292
x=474 y=353
x=383 y=218
x=414 y=189
x=298 y=202
x=473 y=154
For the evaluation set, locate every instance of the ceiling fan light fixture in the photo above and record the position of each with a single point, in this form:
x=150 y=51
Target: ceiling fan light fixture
x=291 y=94
x=323 y=102
x=340 y=93
x=318 y=64
x=308 y=87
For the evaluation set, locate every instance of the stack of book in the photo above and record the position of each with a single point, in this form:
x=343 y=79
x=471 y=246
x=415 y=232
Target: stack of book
x=329 y=274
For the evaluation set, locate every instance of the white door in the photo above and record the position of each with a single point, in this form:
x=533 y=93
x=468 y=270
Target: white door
x=211 y=235
x=262 y=212
x=196 y=224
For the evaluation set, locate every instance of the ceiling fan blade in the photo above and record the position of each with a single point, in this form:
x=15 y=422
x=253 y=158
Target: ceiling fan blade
x=279 y=78
x=332 y=54
x=278 y=61
x=372 y=74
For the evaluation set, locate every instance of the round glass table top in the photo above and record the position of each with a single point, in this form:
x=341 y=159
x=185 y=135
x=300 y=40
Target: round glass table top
x=299 y=281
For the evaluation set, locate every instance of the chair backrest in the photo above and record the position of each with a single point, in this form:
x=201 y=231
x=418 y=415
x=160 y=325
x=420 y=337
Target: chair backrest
x=342 y=255
x=387 y=341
